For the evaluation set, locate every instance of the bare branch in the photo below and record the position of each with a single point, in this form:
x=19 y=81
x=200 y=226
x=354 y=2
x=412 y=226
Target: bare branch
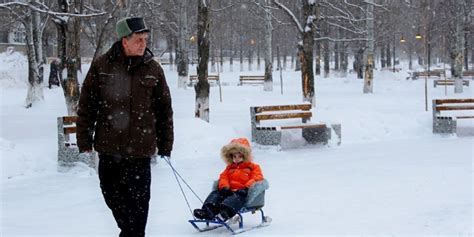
x=291 y=15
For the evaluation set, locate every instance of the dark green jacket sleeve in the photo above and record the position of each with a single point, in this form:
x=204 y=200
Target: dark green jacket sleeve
x=87 y=111
x=164 y=115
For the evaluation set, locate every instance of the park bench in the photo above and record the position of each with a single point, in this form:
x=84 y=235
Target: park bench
x=272 y=134
x=447 y=123
x=448 y=82
x=466 y=74
x=68 y=152
x=194 y=78
x=251 y=80
x=432 y=73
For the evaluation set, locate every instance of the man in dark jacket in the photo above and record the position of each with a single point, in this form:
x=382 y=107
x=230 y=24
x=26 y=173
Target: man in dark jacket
x=125 y=114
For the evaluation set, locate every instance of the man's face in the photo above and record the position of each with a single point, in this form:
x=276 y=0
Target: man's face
x=135 y=45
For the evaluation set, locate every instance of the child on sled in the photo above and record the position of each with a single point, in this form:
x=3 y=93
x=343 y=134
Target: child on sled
x=233 y=184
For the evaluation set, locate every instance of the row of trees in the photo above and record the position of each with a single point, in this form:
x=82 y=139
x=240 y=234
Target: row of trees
x=317 y=32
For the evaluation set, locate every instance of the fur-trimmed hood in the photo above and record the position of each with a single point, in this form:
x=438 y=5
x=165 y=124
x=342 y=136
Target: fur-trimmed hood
x=241 y=145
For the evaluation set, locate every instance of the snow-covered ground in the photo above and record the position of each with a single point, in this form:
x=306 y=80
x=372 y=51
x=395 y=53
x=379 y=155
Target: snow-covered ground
x=391 y=176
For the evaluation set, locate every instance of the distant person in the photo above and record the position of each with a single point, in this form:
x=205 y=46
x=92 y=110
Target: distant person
x=54 y=73
x=234 y=182
x=125 y=114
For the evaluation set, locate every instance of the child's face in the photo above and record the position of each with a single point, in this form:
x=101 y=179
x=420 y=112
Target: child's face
x=237 y=157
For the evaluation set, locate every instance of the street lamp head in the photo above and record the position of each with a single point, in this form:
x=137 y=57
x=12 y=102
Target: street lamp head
x=418 y=36
x=402 y=39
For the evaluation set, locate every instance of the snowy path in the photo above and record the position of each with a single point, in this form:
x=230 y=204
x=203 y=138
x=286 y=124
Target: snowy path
x=337 y=191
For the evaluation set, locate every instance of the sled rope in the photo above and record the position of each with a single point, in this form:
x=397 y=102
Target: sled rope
x=176 y=175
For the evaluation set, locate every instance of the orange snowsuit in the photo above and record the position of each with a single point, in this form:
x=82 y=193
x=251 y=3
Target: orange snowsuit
x=239 y=176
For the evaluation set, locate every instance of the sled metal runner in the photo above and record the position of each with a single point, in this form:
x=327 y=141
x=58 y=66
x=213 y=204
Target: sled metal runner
x=217 y=223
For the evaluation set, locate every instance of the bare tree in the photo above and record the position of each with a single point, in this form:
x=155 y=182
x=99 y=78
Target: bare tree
x=202 y=86
x=457 y=45
x=369 y=65
x=27 y=13
x=305 y=48
x=182 y=50
x=268 y=85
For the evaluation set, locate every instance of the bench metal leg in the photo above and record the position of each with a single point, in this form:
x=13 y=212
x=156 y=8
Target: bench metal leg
x=444 y=125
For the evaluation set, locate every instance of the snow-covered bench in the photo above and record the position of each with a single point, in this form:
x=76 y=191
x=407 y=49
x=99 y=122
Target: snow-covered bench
x=448 y=122
x=68 y=152
x=251 y=80
x=313 y=133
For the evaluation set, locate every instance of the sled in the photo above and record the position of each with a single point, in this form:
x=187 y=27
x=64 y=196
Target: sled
x=254 y=203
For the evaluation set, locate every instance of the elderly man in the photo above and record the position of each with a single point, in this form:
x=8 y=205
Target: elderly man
x=125 y=114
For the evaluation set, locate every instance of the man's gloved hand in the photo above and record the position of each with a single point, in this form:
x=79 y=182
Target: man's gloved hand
x=242 y=192
x=225 y=191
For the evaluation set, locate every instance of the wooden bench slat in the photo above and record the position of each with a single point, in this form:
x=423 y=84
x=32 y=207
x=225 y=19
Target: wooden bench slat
x=283 y=116
x=251 y=79
x=267 y=108
x=209 y=77
x=304 y=126
x=455 y=107
x=452 y=101
x=69 y=130
x=69 y=119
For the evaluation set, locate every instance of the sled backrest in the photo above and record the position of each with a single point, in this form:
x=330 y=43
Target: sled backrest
x=256 y=193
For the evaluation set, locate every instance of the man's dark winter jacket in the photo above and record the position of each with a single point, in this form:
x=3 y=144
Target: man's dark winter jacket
x=125 y=106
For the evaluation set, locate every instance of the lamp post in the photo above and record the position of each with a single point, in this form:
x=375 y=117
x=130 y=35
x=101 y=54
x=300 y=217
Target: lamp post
x=427 y=74
x=193 y=40
x=252 y=43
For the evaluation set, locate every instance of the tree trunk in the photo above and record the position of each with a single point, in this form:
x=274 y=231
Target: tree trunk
x=318 y=58
x=61 y=26
x=326 y=53
x=388 y=62
x=182 y=55
x=202 y=86
x=382 y=56
x=241 y=54
x=250 y=57
x=278 y=58
x=306 y=54
x=212 y=50
x=458 y=53
x=73 y=60
x=369 y=66
x=170 y=51
x=221 y=58
x=343 y=55
x=336 y=55
x=337 y=62
x=35 y=90
x=268 y=85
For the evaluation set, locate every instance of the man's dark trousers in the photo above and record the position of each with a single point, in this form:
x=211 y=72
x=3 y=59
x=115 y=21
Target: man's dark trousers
x=125 y=184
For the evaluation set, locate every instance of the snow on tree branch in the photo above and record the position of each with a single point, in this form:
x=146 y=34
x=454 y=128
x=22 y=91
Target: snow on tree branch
x=292 y=16
x=59 y=15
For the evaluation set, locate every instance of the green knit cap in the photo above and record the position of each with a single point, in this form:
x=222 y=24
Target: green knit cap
x=129 y=25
